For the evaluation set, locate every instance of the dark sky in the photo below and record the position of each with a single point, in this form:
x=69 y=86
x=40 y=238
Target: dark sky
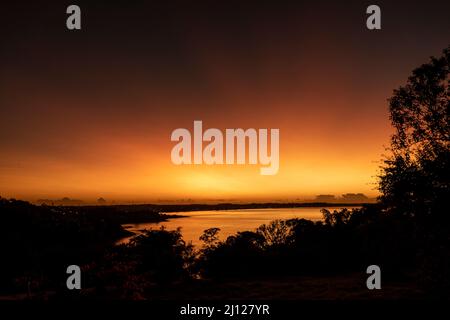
x=89 y=113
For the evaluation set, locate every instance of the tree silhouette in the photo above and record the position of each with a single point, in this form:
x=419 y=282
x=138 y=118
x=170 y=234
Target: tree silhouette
x=210 y=236
x=415 y=178
x=275 y=233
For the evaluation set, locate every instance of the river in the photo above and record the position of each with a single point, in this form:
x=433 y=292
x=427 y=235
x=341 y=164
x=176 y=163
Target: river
x=229 y=221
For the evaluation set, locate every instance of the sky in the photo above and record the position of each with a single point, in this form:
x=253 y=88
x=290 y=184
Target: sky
x=89 y=113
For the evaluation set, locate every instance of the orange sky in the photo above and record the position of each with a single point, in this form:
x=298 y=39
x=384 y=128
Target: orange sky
x=127 y=156
x=90 y=115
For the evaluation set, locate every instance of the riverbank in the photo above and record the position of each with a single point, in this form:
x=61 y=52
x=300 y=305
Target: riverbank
x=167 y=208
x=229 y=221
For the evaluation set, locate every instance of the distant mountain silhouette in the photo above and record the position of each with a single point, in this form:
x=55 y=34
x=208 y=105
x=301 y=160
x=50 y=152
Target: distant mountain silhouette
x=345 y=198
x=60 y=202
x=326 y=198
x=354 y=197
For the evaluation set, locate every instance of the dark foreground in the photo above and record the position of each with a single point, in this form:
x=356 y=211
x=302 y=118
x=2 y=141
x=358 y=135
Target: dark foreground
x=285 y=260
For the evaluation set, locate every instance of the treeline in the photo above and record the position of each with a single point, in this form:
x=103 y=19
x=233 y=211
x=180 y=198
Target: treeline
x=407 y=233
x=39 y=242
x=162 y=208
x=344 y=242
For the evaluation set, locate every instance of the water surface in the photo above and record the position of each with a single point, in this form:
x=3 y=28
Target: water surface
x=229 y=221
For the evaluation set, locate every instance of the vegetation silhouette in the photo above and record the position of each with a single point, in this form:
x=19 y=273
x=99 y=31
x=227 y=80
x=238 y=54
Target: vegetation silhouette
x=415 y=178
x=406 y=233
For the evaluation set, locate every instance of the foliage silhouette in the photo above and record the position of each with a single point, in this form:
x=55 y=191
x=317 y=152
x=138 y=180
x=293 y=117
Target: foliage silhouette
x=415 y=178
x=407 y=233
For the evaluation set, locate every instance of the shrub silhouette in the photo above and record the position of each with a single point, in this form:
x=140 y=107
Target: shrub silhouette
x=161 y=253
x=210 y=237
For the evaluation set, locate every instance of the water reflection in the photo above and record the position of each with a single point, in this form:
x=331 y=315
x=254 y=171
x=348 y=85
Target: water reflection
x=229 y=221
